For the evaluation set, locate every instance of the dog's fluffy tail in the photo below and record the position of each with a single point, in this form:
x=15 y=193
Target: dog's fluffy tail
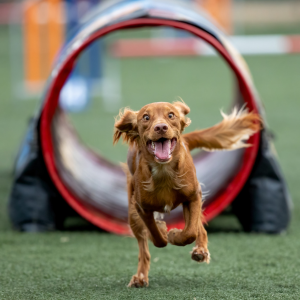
x=231 y=133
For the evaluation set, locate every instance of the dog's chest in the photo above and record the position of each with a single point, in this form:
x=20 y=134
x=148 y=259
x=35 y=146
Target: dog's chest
x=161 y=200
x=165 y=190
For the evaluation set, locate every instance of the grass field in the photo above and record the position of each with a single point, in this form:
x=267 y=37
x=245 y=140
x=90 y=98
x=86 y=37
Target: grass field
x=90 y=264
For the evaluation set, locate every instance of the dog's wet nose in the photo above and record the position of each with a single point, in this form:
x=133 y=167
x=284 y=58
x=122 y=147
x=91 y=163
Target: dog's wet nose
x=161 y=128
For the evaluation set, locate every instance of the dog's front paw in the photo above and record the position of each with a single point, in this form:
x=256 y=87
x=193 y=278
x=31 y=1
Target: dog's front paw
x=162 y=226
x=138 y=281
x=200 y=255
x=172 y=234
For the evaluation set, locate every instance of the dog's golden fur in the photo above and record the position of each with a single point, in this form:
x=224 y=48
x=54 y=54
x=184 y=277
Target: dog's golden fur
x=159 y=182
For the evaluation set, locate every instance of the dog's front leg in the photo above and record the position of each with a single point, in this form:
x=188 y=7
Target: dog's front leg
x=200 y=252
x=192 y=214
x=158 y=237
x=140 y=279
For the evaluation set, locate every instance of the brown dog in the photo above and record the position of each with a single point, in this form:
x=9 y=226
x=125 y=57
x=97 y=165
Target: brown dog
x=161 y=174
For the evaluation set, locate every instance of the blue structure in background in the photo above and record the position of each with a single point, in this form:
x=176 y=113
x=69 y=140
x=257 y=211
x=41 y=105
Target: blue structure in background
x=77 y=92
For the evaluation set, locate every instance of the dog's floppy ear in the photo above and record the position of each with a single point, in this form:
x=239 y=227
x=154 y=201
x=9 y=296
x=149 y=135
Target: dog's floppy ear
x=183 y=111
x=126 y=126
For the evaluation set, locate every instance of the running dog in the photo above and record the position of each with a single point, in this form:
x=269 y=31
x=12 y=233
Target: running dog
x=161 y=174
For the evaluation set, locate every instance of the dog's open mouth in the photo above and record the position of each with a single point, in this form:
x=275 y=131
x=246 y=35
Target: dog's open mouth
x=162 y=149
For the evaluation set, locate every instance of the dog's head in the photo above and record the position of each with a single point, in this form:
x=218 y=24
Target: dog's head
x=157 y=127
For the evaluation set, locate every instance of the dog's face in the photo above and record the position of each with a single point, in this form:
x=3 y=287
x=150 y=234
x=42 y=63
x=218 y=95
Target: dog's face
x=157 y=126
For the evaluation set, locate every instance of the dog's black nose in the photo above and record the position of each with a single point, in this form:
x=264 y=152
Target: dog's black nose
x=161 y=128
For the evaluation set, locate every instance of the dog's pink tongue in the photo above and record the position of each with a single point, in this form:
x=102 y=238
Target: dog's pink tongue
x=162 y=149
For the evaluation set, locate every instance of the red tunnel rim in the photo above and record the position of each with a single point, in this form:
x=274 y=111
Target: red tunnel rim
x=112 y=225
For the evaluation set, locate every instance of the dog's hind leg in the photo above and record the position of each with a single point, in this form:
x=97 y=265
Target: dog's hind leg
x=140 y=279
x=200 y=252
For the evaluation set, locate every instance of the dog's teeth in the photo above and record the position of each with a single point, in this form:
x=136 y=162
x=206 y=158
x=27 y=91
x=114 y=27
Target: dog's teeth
x=153 y=145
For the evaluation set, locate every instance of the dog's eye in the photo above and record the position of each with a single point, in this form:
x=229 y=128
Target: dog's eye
x=171 y=115
x=146 y=117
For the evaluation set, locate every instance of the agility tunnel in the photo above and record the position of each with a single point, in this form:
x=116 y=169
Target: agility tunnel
x=58 y=169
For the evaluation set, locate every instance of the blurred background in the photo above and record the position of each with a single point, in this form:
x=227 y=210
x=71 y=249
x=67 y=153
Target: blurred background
x=126 y=68
x=133 y=68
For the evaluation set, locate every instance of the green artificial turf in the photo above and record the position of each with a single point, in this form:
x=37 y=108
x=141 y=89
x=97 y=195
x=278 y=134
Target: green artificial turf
x=90 y=264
